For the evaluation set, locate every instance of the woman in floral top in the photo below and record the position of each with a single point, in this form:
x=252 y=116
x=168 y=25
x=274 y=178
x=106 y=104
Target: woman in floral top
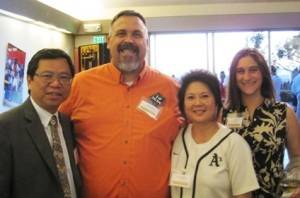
x=268 y=126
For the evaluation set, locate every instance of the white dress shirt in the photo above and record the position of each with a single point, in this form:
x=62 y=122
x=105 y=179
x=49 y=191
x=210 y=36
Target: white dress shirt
x=45 y=118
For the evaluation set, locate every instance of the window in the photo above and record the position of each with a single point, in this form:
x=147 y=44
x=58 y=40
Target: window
x=176 y=54
x=285 y=52
x=227 y=44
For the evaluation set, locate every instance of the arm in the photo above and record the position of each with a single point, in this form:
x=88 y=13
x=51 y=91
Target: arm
x=293 y=134
x=293 y=144
x=5 y=166
x=246 y=195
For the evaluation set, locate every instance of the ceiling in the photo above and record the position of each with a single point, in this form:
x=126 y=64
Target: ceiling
x=163 y=15
x=105 y=9
x=126 y=3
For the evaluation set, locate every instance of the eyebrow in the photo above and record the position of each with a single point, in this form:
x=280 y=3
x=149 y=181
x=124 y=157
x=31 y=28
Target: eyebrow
x=247 y=67
x=193 y=93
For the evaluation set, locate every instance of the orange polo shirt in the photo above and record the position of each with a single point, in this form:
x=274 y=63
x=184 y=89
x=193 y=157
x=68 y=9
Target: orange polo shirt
x=123 y=152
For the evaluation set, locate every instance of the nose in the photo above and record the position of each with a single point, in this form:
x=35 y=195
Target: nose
x=246 y=75
x=198 y=101
x=55 y=82
x=128 y=38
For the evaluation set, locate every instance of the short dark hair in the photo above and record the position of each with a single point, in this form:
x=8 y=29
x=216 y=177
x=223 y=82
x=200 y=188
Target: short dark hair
x=48 y=53
x=205 y=77
x=128 y=13
x=234 y=96
x=273 y=69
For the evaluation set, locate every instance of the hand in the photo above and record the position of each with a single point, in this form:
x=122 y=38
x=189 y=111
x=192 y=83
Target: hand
x=296 y=193
x=180 y=119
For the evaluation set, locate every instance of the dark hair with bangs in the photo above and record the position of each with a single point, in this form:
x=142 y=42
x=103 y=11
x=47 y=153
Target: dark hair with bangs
x=202 y=76
x=234 y=96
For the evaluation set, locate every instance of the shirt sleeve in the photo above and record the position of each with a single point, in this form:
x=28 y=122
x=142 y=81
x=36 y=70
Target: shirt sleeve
x=242 y=175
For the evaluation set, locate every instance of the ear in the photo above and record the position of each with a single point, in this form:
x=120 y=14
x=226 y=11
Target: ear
x=29 y=81
x=108 y=42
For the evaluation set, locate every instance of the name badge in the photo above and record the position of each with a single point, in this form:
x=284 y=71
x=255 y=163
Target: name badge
x=150 y=109
x=181 y=179
x=234 y=122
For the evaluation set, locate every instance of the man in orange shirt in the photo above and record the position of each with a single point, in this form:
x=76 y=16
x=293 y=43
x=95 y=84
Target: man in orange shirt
x=125 y=118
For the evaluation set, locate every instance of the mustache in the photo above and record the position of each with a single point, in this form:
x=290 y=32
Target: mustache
x=128 y=46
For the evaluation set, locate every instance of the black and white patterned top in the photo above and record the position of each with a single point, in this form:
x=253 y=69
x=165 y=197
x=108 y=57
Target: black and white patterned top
x=266 y=135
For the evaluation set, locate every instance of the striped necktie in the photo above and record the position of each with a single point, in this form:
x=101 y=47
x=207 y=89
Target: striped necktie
x=59 y=157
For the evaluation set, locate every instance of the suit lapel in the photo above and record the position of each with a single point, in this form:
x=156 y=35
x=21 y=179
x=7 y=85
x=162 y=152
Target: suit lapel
x=36 y=131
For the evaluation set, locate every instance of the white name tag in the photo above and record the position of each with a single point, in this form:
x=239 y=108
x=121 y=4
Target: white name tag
x=181 y=179
x=234 y=122
x=149 y=109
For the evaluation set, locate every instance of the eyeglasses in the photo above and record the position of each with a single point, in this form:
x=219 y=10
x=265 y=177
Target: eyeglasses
x=48 y=77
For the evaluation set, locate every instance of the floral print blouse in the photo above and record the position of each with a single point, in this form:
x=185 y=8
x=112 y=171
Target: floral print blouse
x=266 y=136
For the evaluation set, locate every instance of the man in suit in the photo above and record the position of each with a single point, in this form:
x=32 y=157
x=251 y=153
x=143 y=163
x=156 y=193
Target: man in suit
x=37 y=159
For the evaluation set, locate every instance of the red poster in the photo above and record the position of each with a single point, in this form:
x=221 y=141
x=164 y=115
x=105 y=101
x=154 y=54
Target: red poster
x=14 y=76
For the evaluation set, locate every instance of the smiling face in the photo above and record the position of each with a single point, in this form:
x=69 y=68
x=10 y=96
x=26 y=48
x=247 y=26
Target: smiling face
x=199 y=103
x=128 y=43
x=49 y=95
x=248 y=77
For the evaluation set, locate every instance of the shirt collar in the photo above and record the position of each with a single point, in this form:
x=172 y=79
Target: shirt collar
x=117 y=75
x=44 y=115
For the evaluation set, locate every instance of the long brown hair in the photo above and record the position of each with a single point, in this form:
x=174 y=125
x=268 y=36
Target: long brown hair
x=234 y=96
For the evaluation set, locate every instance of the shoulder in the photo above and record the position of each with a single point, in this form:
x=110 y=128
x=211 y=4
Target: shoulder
x=64 y=117
x=178 y=141
x=154 y=73
x=279 y=104
x=87 y=80
x=92 y=71
x=12 y=114
x=11 y=121
x=234 y=140
x=226 y=132
x=291 y=116
x=275 y=107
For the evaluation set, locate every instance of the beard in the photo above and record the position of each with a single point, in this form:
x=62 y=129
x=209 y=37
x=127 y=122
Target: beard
x=129 y=57
x=129 y=67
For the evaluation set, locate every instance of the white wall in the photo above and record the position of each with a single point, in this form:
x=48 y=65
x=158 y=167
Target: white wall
x=29 y=38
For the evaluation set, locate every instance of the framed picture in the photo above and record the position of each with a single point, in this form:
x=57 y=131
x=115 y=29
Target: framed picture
x=92 y=55
x=89 y=56
x=13 y=76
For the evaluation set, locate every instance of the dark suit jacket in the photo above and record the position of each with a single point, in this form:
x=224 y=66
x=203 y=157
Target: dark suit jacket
x=27 y=166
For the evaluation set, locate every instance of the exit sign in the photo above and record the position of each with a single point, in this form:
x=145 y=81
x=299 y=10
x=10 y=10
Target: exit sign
x=99 y=39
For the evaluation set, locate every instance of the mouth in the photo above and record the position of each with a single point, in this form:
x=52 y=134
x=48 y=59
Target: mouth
x=199 y=111
x=128 y=48
x=54 y=95
x=249 y=83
